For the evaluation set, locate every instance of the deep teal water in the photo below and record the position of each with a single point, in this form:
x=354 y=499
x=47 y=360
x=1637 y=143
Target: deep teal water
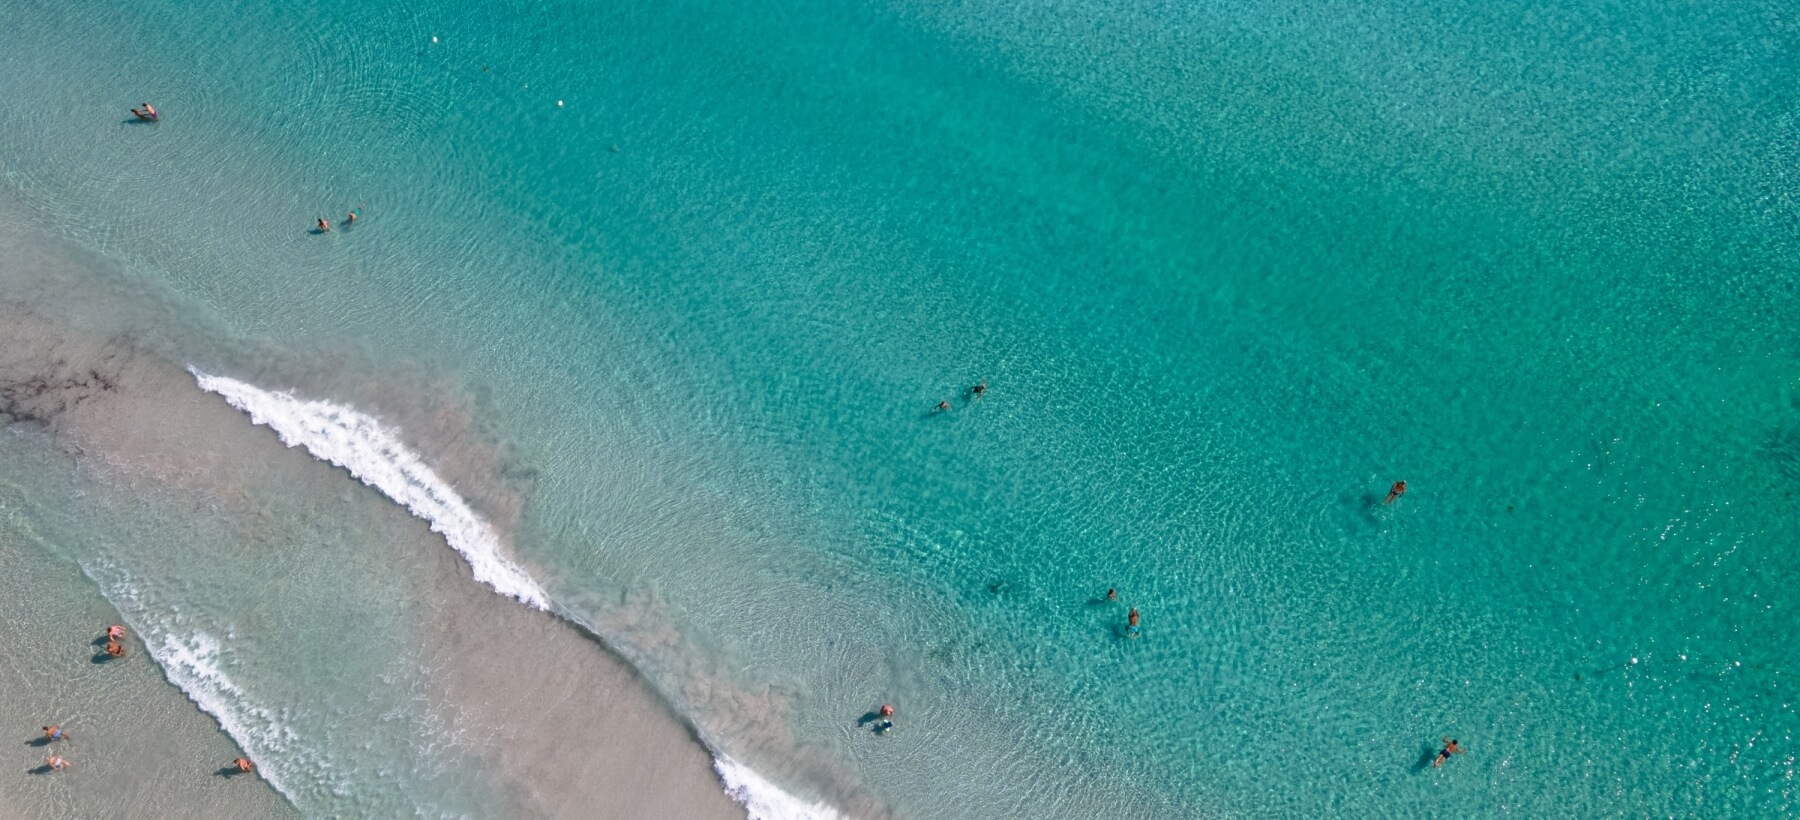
x=1228 y=270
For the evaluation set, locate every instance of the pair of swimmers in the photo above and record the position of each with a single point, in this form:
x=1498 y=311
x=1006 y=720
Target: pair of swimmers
x=146 y=113
x=113 y=647
x=325 y=224
x=975 y=392
x=56 y=762
x=886 y=722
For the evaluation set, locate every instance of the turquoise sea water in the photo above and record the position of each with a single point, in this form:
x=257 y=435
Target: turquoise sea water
x=698 y=275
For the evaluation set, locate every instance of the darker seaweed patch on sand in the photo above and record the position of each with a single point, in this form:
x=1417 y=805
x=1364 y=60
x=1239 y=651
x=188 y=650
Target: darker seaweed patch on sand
x=37 y=392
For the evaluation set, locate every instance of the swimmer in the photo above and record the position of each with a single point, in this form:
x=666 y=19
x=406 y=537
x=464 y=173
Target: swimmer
x=57 y=762
x=979 y=390
x=942 y=407
x=1131 y=622
x=115 y=632
x=1450 y=748
x=146 y=113
x=1112 y=595
x=1394 y=492
x=324 y=226
x=243 y=764
x=886 y=710
x=351 y=219
x=883 y=727
x=114 y=649
x=53 y=732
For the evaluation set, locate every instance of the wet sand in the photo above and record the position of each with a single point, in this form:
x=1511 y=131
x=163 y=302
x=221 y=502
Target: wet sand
x=90 y=373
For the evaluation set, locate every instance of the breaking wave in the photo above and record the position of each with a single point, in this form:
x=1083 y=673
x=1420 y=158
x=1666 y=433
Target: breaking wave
x=357 y=442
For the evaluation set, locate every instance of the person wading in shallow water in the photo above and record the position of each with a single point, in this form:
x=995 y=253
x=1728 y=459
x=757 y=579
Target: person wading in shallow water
x=115 y=649
x=243 y=764
x=53 y=732
x=1131 y=622
x=1394 y=492
x=56 y=762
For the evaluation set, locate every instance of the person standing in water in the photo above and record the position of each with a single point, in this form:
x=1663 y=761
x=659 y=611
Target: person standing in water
x=1394 y=492
x=56 y=762
x=1450 y=748
x=53 y=732
x=1131 y=622
x=243 y=764
x=324 y=225
x=115 y=632
x=115 y=649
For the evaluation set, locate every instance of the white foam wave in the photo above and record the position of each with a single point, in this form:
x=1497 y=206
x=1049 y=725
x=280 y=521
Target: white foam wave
x=192 y=661
x=765 y=800
x=357 y=442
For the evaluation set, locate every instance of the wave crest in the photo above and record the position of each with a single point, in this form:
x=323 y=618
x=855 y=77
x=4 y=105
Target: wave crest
x=355 y=441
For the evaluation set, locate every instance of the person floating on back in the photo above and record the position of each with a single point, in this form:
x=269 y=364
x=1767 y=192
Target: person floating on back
x=115 y=632
x=115 y=649
x=53 y=732
x=147 y=113
x=1131 y=622
x=1394 y=492
x=1450 y=748
x=243 y=764
x=979 y=390
x=56 y=762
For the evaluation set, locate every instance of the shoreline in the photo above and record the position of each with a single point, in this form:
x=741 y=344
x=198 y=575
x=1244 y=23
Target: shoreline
x=612 y=747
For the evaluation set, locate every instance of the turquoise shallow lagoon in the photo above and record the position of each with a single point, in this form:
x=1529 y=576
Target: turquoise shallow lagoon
x=666 y=293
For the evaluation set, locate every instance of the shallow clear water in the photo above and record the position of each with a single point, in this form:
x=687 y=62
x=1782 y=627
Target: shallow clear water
x=1228 y=270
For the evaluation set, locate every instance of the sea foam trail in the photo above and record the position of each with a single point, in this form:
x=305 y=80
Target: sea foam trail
x=193 y=661
x=765 y=800
x=341 y=435
x=356 y=442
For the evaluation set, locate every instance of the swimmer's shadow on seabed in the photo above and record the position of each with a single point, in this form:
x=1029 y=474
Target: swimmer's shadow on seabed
x=136 y=121
x=43 y=769
x=1425 y=758
x=229 y=772
x=40 y=742
x=102 y=658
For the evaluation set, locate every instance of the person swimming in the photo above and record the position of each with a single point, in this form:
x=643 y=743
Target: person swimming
x=1131 y=622
x=979 y=390
x=115 y=649
x=1450 y=748
x=324 y=225
x=942 y=407
x=115 y=632
x=243 y=764
x=351 y=219
x=1112 y=594
x=1394 y=492
x=53 y=732
x=147 y=113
